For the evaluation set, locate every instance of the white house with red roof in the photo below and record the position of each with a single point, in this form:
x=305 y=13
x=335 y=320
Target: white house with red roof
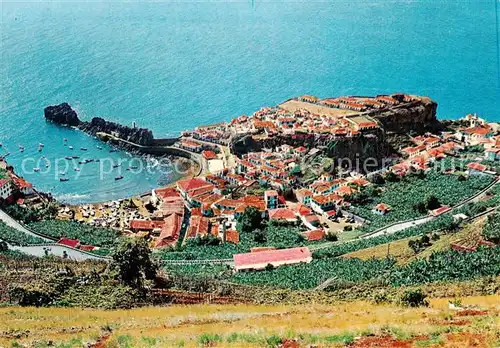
x=191 y=188
x=474 y=135
x=381 y=209
x=475 y=168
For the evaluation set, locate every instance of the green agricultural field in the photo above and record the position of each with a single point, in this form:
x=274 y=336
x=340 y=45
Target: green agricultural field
x=97 y=236
x=15 y=237
x=440 y=266
x=404 y=197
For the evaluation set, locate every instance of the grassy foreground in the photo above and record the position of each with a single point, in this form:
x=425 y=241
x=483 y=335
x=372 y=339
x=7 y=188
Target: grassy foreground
x=358 y=324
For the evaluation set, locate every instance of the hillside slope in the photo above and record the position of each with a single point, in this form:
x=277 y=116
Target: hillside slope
x=358 y=324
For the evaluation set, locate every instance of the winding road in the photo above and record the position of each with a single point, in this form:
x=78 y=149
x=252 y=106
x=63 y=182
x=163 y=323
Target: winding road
x=49 y=248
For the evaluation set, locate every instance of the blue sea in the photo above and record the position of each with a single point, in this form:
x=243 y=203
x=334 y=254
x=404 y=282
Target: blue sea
x=170 y=66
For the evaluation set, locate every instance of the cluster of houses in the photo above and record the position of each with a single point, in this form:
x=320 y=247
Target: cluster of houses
x=212 y=205
x=271 y=121
x=430 y=148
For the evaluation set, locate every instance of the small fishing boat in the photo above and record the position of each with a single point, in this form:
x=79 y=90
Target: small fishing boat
x=82 y=162
x=116 y=165
x=99 y=147
x=113 y=150
x=98 y=160
x=21 y=148
x=134 y=167
x=65 y=139
x=62 y=173
x=75 y=157
x=83 y=149
x=1 y=144
x=70 y=147
x=77 y=169
x=47 y=165
x=36 y=170
x=41 y=145
x=119 y=178
x=63 y=179
x=69 y=158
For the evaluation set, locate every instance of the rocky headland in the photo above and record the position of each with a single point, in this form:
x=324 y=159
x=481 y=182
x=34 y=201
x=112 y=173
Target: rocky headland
x=63 y=114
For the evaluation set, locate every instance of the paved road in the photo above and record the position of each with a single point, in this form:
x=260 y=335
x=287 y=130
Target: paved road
x=56 y=250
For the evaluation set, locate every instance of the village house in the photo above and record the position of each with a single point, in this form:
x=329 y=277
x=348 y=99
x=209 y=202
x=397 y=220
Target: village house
x=440 y=210
x=492 y=154
x=190 y=188
x=283 y=214
x=475 y=168
x=381 y=209
x=304 y=196
x=190 y=145
x=23 y=186
x=271 y=199
x=5 y=188
x=276 y=258
x=474 y=135
x=314 y=235
x=322 y=203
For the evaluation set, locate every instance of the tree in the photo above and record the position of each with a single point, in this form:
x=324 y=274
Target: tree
x=420 y=207
x=376 y=179
x=260 y=236
x=432 y=202
x=391 y=177
x=250 y=220
x=3 y=246
x=132 y=263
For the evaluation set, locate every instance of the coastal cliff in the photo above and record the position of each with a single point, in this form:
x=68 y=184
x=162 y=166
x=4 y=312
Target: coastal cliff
x=418 y=116
x=360 y=148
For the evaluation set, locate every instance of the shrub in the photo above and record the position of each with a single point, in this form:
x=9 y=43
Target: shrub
x=274 y=341
x=209 y=339
x=414 y=298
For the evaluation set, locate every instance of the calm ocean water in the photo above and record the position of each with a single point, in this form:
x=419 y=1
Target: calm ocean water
x=172 y=66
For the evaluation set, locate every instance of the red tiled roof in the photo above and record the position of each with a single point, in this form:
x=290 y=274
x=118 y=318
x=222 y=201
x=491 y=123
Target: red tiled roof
x=167 y=192
x=382 y=207
x=73 y=243
x=476 y=166
x=146 y=225
x=209 y=154
x=87 y=247
x=281 y=214
x=477 y=130
x=232 y=236
x=260 y=260
x=21 y=183
x=440 y=210
x=188 y=185
x=315 y=235
x=3 y=182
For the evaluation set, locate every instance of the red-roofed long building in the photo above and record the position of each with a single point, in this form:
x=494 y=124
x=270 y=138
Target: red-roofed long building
x=276 y=258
